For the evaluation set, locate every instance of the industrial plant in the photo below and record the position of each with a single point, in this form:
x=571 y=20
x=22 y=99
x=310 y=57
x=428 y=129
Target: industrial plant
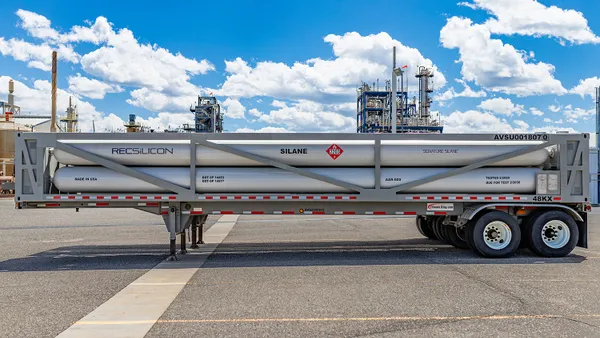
x=375 y=106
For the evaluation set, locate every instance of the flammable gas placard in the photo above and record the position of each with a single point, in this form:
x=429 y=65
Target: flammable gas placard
x=440 y=207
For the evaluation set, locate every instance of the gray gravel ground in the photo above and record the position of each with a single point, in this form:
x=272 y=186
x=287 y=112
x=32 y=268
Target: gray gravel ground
x=293 y=276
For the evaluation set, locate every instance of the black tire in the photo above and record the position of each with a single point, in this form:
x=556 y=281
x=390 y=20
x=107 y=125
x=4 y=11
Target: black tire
x=457 y=237
x=440 y=229
x=564 y=244
x=526 y=223
x=479 y=235
x=424 y=227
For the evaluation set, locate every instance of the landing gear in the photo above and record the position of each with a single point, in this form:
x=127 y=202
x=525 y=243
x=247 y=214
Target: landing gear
x=179 y=226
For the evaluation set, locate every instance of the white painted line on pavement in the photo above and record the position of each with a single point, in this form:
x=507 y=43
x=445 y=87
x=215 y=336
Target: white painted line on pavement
x=144 y=301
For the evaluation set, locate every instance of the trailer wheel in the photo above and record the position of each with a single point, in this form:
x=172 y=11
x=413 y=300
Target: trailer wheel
x=424 y=227
x=553 y=234
x=457 y=236
x=439 y=229
x=496 y=235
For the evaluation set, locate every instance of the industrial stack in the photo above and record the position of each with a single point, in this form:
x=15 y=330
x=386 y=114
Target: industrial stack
x=375 y=106
x=8 y=127
x=348 y=161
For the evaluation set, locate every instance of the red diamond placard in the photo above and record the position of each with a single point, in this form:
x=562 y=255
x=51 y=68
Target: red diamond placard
x=334 y=151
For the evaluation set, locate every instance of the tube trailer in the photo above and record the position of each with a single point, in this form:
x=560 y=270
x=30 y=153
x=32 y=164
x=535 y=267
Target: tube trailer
x=491 y=193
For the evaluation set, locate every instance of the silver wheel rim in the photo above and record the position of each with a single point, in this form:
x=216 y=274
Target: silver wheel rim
x=497 y=235
x=556 y=234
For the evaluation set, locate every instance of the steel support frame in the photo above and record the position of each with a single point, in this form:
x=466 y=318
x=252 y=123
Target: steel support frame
x=34 y=168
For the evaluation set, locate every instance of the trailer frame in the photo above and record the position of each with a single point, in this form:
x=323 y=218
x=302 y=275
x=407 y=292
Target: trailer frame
x=183 y=207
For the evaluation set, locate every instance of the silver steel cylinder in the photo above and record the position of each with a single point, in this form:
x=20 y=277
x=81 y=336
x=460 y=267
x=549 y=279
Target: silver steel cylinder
x=310 y=154
x=273 y=180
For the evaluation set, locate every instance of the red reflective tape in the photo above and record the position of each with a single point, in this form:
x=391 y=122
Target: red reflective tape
x=114 y=197
x=237 y=197
x=157 y=197
x=324 y=197
x=379 y=212
x=416 y=197
x=472 y=197
x=288 y=212
x=172 y=197
x=102 y=204
x=459 y=197
x=439 y=213
x=295 y=197
x=209 y=197
x=164 y=212
x=252 y=197
x=502 y=197
x=128 y=197
x=51 y=204
x=348 y=213
x=152 y=204
x=71 y=197
x=195 y=212
x=516 y=198
x=318 y=212
x=143 y=197
x=99 y=197
x=410 y=212
x=310 y=197
x=223 y=197
x=266 y=197
x=85 y=197
x=280 y=197
x=557 y=198
x=445 y=197
x=430 y=197
x=257 y=212
x=56 y=197
x=338 y=197
x=352 y=197
x=487 y=197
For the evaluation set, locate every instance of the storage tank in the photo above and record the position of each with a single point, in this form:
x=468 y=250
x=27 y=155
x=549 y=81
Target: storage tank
x=7 y=148
x=309 y=153
x=274 y=180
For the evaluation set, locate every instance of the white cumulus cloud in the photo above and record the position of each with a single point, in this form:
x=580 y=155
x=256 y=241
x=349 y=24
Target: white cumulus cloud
x=494 y=65
x=586 y=87
x=536 y=112
x=36 y=25
x=533 y=18
x=36 y=56
x=91 y=88
x=467 y=92
x=233 y=108
x=357 y=58
x=308 y=116
x=263 y=130
x=502 y=106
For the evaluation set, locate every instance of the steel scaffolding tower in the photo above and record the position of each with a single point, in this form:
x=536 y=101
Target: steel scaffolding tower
x=207 y=115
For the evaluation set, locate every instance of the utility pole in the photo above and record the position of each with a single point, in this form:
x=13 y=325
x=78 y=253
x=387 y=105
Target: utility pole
x=53 y=120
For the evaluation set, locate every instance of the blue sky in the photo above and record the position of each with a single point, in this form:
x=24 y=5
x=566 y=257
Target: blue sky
x=281 y=66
